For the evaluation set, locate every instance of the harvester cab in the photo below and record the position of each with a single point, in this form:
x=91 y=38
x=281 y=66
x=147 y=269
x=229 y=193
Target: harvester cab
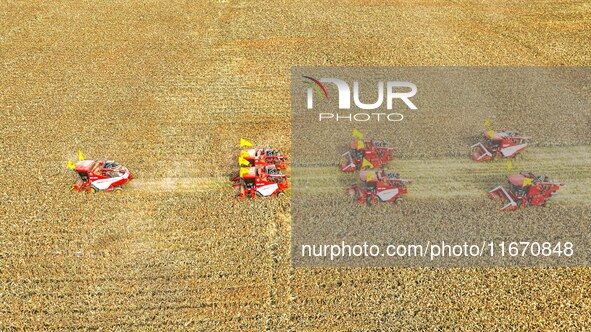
x=261 y=172
x=378 y=186
x=525 y=189
x=82 y=169
x=264 y=156
x=261 y=180
x=273 y=173
x=99 y=175
x=376 y=152
x=498 y=144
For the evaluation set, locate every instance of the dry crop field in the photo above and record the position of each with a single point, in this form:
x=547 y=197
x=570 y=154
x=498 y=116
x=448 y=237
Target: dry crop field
x=167 y=88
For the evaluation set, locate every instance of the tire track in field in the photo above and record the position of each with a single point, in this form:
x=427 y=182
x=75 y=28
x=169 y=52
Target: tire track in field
x=442 y=178
x=455 y=178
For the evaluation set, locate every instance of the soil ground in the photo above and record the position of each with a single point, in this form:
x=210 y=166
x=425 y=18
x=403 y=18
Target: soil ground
x=167 y=88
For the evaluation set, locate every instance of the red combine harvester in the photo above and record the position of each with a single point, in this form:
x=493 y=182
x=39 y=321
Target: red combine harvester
x=525 y=189
x=260 y=180
x=94 y=176
x=377 y=152
x=378 y=186
x=498 y=144
x=264 y=156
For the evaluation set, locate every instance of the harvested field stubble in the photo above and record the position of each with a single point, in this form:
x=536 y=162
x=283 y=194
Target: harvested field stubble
x=167 y=89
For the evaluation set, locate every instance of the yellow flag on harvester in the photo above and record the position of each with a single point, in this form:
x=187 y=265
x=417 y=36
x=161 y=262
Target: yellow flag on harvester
x=244 y=142
x=491 y=133
x=510 y=164
x=244 y=154
x=366 y=163
x=360 y=145
x=71 y=165
x=369 y=176
x=486 y=123
x=242 y=161
x=527 y=181
x=244 y=170
x=80 y=156
x=357 y=134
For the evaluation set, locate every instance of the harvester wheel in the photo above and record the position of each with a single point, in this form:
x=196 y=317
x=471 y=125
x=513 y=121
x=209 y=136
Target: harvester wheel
x=118 y=190
x=93 y=190
x=547 y=204
x=398 y=201
x=371 y=200
x=281 y=194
